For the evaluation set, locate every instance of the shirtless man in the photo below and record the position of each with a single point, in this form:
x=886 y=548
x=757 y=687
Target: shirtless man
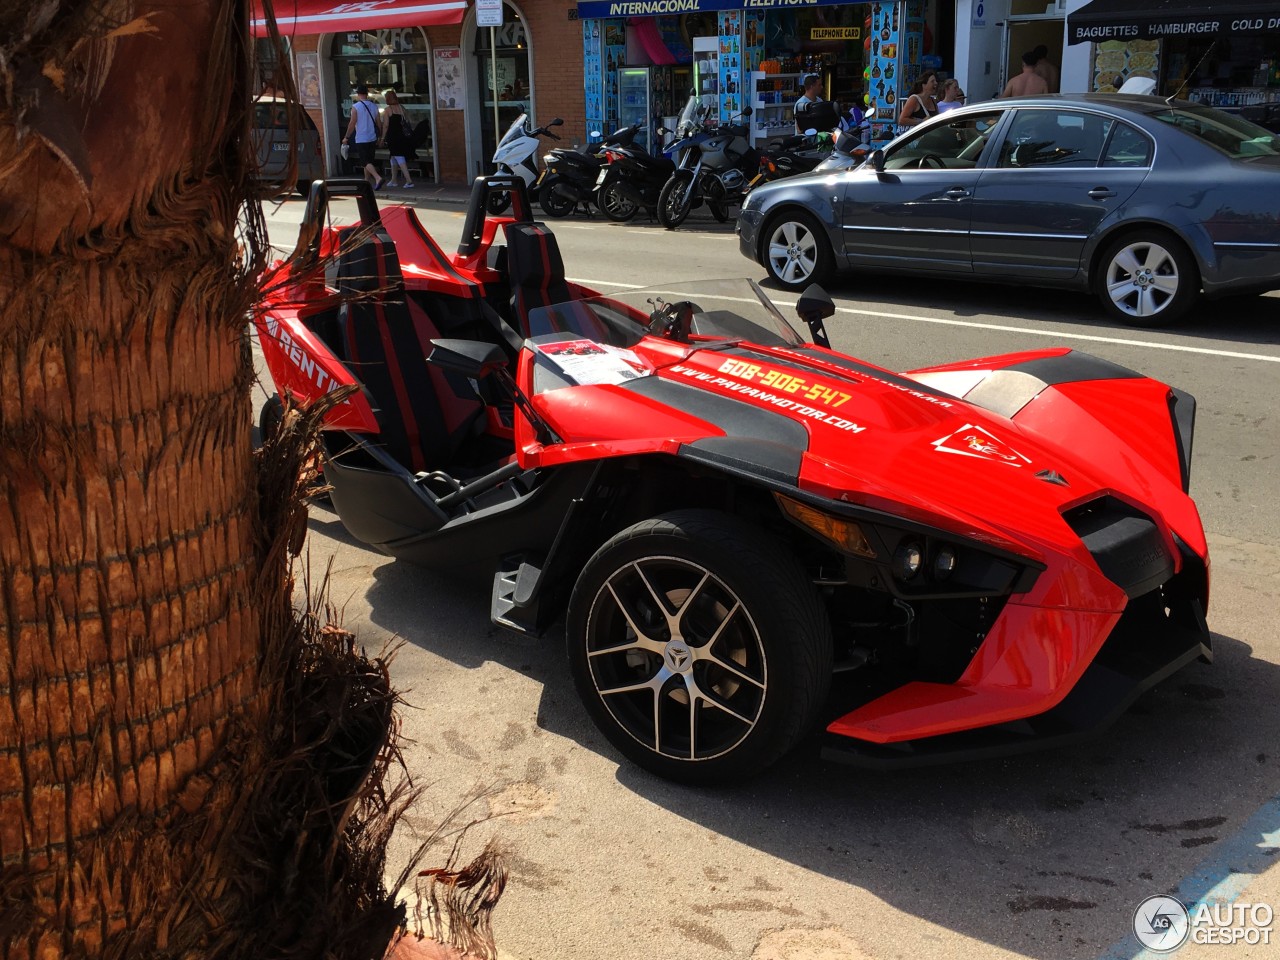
x=1028 y=83
x=1045 y=67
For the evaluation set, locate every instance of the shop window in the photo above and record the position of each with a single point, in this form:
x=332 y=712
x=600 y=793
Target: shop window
x=266 y=63
x=397 y=59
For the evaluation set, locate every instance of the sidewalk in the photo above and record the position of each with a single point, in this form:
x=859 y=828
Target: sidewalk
x=427 y=192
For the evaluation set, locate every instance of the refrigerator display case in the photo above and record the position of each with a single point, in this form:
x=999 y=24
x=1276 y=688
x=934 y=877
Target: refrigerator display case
x=706 y=75
x=635 y=101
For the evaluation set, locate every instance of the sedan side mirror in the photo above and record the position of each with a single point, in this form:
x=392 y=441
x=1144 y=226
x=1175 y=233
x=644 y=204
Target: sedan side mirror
x=557 y=122
x=814 y=306
x=877 y=160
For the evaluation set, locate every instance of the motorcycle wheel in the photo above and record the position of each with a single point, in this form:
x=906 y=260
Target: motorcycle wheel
x=498 y=202
x=616 y=205
x=554 y=204
x=675 y=201
x=718 y=205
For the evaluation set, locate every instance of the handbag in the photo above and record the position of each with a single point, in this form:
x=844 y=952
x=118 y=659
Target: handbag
x=345 y=150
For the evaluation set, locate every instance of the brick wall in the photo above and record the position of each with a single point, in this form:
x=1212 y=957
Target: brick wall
x=557 y=66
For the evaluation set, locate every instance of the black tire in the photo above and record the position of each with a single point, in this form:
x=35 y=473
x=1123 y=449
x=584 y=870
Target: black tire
x=554 y=204
x=719 y=209
x=750 y=668
x=498 y=202
x=675 y=201
x=614 y=204
x=1147 y=278
x=269 y=418
x=795 y=250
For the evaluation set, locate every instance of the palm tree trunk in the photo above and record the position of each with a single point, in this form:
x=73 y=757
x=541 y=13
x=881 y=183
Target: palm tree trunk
x=188 y=768
x=132 y=595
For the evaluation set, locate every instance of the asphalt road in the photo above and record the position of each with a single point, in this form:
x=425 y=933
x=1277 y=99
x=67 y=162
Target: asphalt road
x=1043 y=856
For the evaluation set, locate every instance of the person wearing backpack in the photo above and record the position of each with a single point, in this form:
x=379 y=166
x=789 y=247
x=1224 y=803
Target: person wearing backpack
x=362 y=135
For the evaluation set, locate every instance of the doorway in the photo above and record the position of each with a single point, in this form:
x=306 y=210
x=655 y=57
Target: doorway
x=511 y=90
x=1024 y=33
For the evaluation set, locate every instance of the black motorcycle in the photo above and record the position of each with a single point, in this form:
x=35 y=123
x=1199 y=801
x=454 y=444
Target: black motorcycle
x=712 y=165
x=633 y=179
x=569 y=177
x=790 y=156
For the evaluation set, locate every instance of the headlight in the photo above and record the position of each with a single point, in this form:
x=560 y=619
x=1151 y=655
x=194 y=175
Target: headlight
x=907 y=560
x=944 y=563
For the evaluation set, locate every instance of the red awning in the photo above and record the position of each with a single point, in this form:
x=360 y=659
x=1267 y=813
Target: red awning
x=302 y=17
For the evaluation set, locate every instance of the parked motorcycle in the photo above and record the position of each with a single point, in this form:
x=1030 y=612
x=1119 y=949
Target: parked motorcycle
x=850 y=150
x=792 y=155
x=517 y=153
x=712 y=165
x=633 y=179
x=569 y=177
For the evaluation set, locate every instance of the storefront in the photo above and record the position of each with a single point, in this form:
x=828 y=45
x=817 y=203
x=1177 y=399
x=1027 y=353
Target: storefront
x=992 y=36
x=642 y=57
x=1222 y=54
x=441 y=65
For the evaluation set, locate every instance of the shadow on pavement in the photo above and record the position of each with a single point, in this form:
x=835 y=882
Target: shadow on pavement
x=1045 y=854
x=1241 y=319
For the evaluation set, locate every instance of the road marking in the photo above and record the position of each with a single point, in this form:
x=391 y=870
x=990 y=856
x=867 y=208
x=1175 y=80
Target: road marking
x=1056 y=334
x=1220 y=878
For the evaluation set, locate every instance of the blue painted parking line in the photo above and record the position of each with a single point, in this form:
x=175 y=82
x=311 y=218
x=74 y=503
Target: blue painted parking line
x=1222 y=877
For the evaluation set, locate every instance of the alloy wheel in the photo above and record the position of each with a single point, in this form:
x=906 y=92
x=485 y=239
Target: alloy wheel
x=1142 y=279
x=793 y=252
x=676 y=658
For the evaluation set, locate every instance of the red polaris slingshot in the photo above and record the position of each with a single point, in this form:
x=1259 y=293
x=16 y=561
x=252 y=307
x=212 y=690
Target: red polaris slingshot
x=987 y=556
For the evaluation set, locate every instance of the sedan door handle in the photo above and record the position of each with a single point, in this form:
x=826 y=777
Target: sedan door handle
x=1101 y=193
x=957 y=193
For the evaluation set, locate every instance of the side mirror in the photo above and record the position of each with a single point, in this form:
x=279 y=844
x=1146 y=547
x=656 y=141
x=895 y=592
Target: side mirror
x=877 y=160
x=557 y=122
x=663 y=131
x=746 y=111
x=814 y=306
x=469 y=357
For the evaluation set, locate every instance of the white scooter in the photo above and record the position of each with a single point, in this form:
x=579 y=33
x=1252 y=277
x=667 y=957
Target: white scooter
x=517 y=153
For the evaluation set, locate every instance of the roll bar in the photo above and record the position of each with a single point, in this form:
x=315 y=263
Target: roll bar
x=482 y=188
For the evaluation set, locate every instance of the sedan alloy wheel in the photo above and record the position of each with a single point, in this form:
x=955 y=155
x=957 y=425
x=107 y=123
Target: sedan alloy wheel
x=796 y=252
x=1149 y=280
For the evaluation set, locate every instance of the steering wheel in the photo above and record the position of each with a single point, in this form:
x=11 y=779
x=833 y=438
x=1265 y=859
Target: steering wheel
x=673 y=320
x=936 y=164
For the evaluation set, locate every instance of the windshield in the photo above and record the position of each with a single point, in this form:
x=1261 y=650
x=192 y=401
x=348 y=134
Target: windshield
x=717 y=310
x=1238 y=138
x=515 y=131
x=688 y=118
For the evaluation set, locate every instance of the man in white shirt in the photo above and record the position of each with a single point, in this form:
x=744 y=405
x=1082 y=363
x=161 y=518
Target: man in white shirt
x=363 y=134
x=811 y=93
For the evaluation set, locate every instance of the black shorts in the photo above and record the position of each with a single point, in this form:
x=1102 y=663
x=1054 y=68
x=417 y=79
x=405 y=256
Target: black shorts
x=362 y=153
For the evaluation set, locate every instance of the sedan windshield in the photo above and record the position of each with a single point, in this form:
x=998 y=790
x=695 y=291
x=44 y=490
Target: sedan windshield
x=1236 y=137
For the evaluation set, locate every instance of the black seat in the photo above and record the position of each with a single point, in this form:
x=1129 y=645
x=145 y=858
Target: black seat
x=424 y=413
x=536 y=271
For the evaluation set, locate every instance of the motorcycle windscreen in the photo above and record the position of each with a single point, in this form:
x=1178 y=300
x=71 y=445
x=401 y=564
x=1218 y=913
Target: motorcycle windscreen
x=514 y=132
